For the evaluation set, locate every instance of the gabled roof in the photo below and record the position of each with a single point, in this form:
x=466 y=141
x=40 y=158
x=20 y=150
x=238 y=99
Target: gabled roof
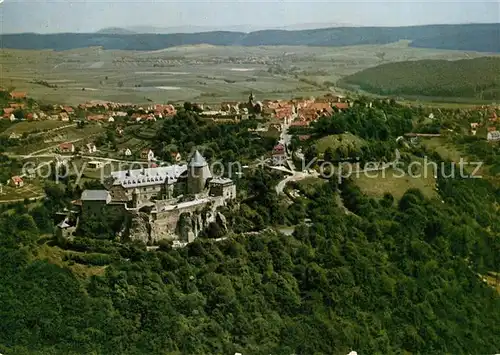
x=17 y=95
x=17 y=179
x=64 y=224
x=66 y=145
x=197 y=160
x=221 y=181
x=95 y=195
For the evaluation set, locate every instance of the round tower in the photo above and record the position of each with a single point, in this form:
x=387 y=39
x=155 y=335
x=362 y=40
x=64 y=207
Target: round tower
x=198 y=174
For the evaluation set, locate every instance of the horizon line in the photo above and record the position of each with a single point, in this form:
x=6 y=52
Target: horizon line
x=232 y=31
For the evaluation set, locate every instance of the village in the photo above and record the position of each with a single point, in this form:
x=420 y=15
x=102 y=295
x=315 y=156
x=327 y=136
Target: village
x=148 y=192
x=275 y=117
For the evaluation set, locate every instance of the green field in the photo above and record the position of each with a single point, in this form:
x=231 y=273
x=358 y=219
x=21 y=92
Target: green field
x=202 y=73
x=392 y=182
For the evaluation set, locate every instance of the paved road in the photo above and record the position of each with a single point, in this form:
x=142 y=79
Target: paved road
x=297 y=176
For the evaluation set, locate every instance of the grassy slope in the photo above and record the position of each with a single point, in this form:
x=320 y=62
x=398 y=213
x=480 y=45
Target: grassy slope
x=336 y=140
x=477 y=78
x=28 y=127
x=377 y=183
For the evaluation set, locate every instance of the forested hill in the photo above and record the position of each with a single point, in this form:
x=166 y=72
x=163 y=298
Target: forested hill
x=473 y=37
x=469 y=78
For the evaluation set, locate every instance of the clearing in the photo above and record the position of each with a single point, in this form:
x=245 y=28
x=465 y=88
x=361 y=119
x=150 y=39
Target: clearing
x=57 y=256
x=335 y=141
x=377 y=183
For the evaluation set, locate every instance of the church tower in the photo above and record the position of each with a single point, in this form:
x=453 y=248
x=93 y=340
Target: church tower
x=251 y=98
x=198 y=174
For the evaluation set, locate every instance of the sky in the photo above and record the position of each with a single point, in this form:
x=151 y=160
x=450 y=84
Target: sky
x=54 y=16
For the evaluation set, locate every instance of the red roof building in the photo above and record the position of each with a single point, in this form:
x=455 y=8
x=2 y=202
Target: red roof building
x=341 y=105
x=18 y=95
x=68 y=109
x=17 y=181
x=16 y=106
x=66 y=147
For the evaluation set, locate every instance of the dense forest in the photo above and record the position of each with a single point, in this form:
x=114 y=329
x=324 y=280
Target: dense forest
x=472 y=37
x=390 y=278
x=470 y=78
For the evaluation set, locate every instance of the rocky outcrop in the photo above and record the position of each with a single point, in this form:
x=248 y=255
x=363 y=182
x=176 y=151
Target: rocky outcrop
x=222 y=222
x=191 y=225
x=184 y=226
x=140 y=227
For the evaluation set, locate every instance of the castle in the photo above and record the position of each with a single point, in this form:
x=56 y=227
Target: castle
x=169 y=202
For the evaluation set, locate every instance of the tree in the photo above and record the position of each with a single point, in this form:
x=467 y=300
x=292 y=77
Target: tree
x=329 y=155
x=311 y=153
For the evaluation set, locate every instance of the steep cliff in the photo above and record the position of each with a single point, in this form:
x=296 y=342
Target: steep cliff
x=140 y=227
x=191 y=225
x=182 y=226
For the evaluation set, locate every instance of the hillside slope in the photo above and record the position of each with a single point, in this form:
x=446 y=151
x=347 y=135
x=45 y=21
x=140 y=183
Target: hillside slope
x=477 y=78
x=478 y=37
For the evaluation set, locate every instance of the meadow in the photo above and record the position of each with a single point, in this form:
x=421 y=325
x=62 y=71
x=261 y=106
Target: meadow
x=201 y=73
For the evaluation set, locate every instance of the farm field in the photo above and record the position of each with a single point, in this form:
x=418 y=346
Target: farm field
x=201 y=73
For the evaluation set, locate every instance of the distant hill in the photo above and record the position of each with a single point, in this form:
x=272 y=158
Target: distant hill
x=116 y=31
x=235 y=28
x=477 y=78
x=473 y=37
x=190 y=29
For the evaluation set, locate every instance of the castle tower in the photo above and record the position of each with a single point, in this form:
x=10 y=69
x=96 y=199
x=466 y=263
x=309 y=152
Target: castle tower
x=198 y=173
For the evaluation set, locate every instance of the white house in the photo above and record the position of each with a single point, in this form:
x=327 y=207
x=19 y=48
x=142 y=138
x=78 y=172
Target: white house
x=15 y=135
x=91 y=148
x=64 y=117
x=12 y=117
x=111 y=119
x=493 y=136
x=148 y=154
x=95 y=164
x=127 y=152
